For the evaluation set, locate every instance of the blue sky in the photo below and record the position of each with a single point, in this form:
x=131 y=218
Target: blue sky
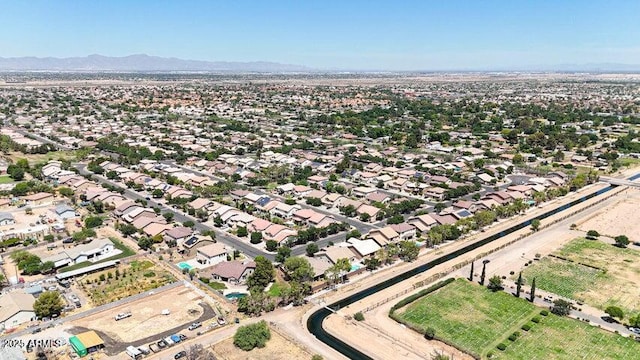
x=327 y=34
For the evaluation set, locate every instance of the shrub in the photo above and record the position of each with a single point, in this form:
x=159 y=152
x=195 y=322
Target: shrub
x=430 y=333
x=205 y=280
x=536 y=319
x=149 y=274
x=544 y=312
x=248 y=337
x=593 y=233
x=526 y=327
x=502 y=347
x=513 y=337
x=358 y=316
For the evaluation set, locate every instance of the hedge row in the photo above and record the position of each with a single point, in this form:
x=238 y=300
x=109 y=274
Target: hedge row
x=421 y=293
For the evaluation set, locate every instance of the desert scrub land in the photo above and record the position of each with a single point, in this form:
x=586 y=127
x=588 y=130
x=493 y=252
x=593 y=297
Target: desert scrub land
x=477 y=321
x=114 y=284
x=592 y=271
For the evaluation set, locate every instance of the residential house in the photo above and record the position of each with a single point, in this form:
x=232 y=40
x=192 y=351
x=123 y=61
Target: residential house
x=93 y=251
x=6 y=219
x=212 y=254
x=405 y=231
x=64 y=212
x=233 y=272
x=422 y=222
x=178 y=234
x=39 y=198
x=383 y=236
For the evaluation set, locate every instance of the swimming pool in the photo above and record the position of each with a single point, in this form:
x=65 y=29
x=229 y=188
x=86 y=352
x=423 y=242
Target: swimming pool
x=355 y=267
x=235 y=295
x=184 y=265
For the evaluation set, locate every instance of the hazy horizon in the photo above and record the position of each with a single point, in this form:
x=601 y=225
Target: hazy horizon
x=337 y=36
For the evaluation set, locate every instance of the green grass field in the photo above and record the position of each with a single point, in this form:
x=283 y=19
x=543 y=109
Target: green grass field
x=6 y=179
x=562 y=277
x=618 y=283
x=563 y=338
x=476 y=320
x=469 y=316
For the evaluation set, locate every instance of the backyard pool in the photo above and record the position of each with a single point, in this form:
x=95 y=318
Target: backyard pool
x=235 y=295
x=184 y=265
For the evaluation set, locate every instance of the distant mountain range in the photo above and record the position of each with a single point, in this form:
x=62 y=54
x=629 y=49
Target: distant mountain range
x=141 y=62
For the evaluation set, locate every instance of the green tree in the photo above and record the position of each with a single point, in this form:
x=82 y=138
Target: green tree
x=127 y=229
x=358 y=316
x=145 y=243
x=495 y=283
x=615 y=311
x=408 y=250
x=92 y=222
x=157 y=193
x=168 y=216
x=283 y=254
x=47 y=304
x=471 y=271
x=242 y=231
x=65 y=191
x=112 y=175
x=561 y=307
x=622 y=241
x=16 y=173
x=519 y=284
x=256 y=237
x=535 y=224
x=298 y=269
x=311 y=249
x=248 y=337
x=262 y=275
x=532 y=295
x=271 y=245
x=189 y=224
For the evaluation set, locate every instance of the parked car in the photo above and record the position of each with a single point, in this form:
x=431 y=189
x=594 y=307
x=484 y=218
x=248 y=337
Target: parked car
x=221 y=320
x=180 y=355
x=194 y=326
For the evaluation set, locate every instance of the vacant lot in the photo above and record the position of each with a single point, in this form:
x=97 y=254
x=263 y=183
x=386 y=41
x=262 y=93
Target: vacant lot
x=617 y=283
x=128 y=279
x=147 y=320
x=621 y=218
x=278 y=348
x=477 y=320
x=468 y=315
x=563 y=338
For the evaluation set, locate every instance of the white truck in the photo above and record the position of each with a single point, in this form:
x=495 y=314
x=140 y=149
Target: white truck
x=134 y=352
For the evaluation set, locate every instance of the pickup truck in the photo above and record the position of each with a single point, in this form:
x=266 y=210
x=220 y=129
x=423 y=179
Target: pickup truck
x=121 y=316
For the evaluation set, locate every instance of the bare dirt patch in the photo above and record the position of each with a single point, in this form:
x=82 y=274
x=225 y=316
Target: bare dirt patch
x=278 y=348
x=147 y=319
x=621 y=218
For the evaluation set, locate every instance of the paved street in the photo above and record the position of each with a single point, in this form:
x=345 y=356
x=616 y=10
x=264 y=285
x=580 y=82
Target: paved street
x=179 y=216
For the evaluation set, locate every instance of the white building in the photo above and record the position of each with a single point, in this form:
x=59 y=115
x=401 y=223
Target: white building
x=16 y=308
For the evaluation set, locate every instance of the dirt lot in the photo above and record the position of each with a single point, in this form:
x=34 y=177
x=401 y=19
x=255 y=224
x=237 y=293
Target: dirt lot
x=183 y=304
x=278 y=348
x=621 y=218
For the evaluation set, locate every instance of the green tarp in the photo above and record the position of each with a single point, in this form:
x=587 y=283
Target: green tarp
x=77 y=346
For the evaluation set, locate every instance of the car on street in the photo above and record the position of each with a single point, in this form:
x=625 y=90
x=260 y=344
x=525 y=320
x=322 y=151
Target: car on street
x=194 y=326
x=180 y=355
